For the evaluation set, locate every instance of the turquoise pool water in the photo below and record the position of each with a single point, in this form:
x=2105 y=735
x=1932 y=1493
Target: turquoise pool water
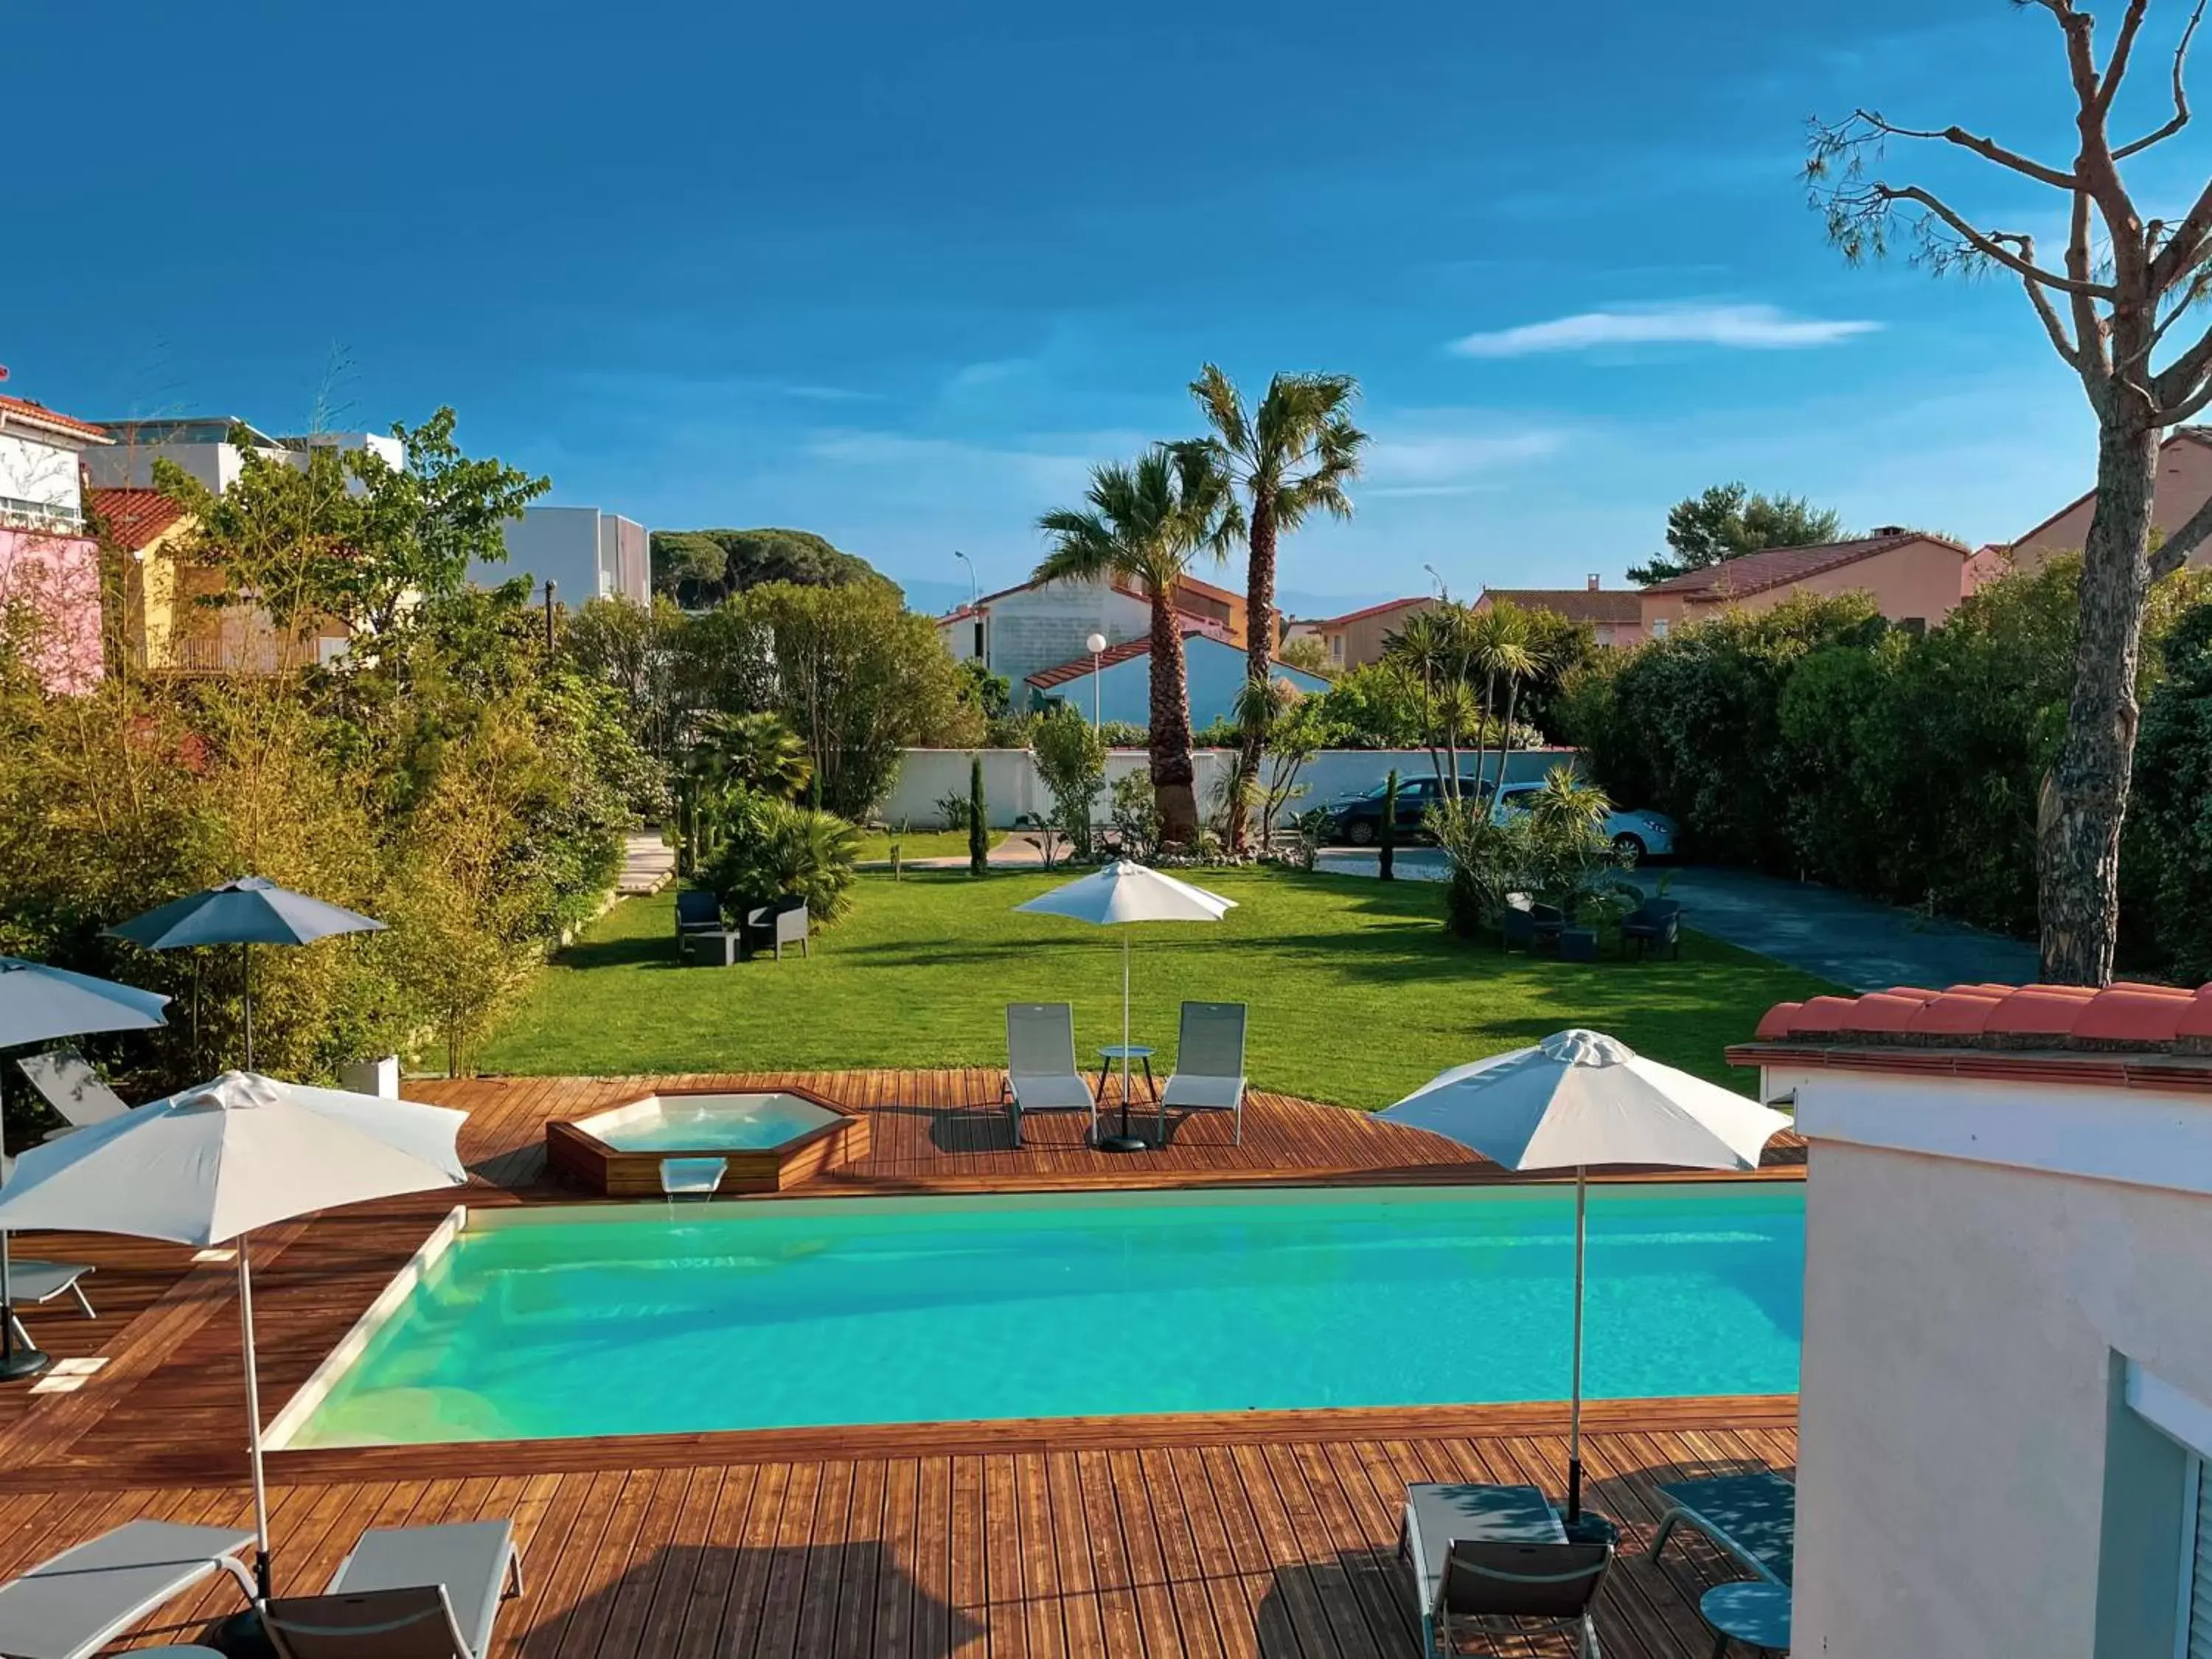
x=852 y=1311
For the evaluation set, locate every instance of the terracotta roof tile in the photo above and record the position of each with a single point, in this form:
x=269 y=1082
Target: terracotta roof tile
x=133 y=517
x=40 y=414
x=1367 y=610
x=1778 y=566
x=2000 y=1016
x=1061 y=673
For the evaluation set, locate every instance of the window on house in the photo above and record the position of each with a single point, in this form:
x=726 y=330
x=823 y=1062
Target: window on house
x=1336 y=647
x=2193 y=1622
x=1659 y=628
x=979 y=638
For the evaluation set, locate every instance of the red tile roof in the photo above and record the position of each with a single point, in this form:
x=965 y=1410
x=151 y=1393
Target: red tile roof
x=132 y=518
x=1591 y=605
x=2123 y=1015
x=1778 y=566
x=1371 y=610
x=39 y=415
x=1061 y=673
x=2196 y=435
x=1045 y=678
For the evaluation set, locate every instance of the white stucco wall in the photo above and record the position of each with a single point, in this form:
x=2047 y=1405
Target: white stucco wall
x=559 y=544
x=1966 y=1320
x=1042 y=627
x=1012 y=786
x=35 y=469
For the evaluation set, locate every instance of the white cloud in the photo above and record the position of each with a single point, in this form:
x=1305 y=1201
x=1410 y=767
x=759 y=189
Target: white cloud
x=1404 y=461
x=1060 y=467
x=1746 y=327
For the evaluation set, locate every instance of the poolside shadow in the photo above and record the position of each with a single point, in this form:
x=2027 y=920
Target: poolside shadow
x=855 y=1597
x=1357 y=1601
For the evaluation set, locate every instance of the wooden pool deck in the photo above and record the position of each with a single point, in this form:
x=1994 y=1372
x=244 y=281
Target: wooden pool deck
x=1237 y=1533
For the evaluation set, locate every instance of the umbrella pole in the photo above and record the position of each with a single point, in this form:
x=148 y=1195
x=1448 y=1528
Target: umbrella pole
x=248 y=950
x=1125 y=1033
x=253 y=1415
x=1575 y=1410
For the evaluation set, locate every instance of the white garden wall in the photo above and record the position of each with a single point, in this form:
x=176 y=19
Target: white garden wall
x=1013 y=789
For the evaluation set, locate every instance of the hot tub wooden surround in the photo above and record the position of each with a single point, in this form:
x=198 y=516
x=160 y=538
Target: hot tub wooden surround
x=575 y=1155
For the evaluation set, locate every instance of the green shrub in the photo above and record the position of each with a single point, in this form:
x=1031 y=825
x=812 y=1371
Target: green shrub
x=1071 y=759
x=766 y=849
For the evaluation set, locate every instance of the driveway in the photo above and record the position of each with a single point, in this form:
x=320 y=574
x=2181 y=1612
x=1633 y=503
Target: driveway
x=1857 y=942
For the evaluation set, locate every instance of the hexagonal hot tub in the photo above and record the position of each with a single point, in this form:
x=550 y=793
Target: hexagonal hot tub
x=768 y=1140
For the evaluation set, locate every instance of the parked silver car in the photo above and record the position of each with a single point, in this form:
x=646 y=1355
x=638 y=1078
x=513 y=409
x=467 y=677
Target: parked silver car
x=1636 y=835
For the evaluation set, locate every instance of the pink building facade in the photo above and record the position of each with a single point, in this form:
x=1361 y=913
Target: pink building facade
x=49 y=561
x=1914 y=578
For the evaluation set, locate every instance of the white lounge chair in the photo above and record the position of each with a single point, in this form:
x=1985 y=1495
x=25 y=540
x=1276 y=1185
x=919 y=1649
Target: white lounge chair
x=1041 y=1075
x=405 y=1592
x=65 y=1081
x=76 y=1603
x=1209 y=1074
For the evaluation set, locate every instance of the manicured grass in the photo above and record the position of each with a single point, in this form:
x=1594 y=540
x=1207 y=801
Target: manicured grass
x=920 y=844
x=1357 y=995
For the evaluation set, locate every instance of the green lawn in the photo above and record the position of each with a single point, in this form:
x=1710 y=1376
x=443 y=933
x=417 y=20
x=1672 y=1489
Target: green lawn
x=920 y=843
x=1356 y=996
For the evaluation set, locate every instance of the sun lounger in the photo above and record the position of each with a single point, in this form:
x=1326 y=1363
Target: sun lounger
x=405 y=1592
x=1484 y=1554
x=42 y=1281
x=65 y=1081
x=78 y=1602
x=1209 y=1074
x=1754 y=1518
x=1041 y=1071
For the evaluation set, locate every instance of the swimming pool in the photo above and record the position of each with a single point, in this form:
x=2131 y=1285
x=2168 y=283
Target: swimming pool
x=547 y=1323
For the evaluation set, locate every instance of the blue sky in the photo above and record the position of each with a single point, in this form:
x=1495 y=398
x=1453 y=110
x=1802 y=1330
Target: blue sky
x=899 y=274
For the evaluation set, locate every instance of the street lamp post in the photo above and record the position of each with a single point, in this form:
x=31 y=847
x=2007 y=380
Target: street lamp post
x=1095 y=644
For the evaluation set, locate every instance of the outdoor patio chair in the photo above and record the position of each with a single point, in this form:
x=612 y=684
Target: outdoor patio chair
x=1041 y=1075
x=1752 y=1517
x=76 y=1603
x=781 y=923
x=1483 y=1555
x=1654 y=922
x=1209 y=1074
x=65 y=1081
x=697 y=911
x=1516 y=923
x=405 y=1592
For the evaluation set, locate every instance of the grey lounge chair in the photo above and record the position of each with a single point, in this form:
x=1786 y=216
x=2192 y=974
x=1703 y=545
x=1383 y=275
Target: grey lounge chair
x=1483 y=1554
x=781 y=923
x=1209 y=1074
x=1653 y=923
x=65 y=1081
x=1752 y=1517
x=405 y=1592
x=42 y=1281
x=76 y=1603
x=1041 y=1075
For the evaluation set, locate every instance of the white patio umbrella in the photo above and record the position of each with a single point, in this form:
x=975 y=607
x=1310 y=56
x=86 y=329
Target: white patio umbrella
x=1123 y=892
x=210 y=1165
x=1580 y=1099
x=37 y=1005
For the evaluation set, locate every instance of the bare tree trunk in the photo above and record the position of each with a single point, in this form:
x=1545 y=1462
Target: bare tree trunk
x=2085 y=798
x=1173 y=792
x=1259 y=646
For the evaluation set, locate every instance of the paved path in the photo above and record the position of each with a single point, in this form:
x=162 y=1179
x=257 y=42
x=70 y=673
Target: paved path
x=649 y=865
x=1858 y=942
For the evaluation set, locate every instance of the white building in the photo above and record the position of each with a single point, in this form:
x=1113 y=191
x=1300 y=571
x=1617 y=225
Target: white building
x=1025 y=630
x=2006 y=1409
x=584 y=553
x=1120 y=688
x=213 y=449
x=49 y=563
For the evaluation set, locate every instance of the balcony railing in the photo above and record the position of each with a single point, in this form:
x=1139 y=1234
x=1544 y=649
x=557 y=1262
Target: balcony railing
x=16 y=514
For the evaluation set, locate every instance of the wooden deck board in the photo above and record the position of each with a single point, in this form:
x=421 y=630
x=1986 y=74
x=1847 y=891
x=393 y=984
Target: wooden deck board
x=1231 y=1535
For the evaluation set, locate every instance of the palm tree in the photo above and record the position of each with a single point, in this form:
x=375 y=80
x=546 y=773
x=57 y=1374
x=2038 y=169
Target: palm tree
x=1145 y=524
x=1501 y=645
x=1434 y=648
x=1290 y=456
